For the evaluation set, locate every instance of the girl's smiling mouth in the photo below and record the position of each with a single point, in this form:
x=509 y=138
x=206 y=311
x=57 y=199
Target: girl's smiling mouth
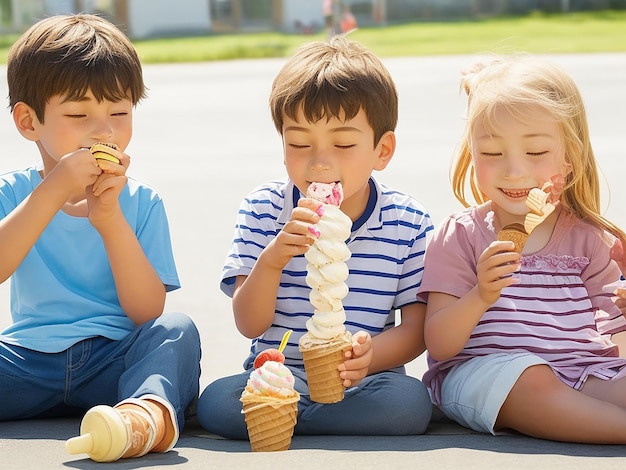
x=515 y=193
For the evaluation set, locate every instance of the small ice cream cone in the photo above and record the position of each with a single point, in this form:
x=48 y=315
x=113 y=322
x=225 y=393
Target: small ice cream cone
x=270 y=423
x=321 y=362
x=532 y=220
x=539 y=207
x=536 y=200
x=541 y=203
x=515 y=233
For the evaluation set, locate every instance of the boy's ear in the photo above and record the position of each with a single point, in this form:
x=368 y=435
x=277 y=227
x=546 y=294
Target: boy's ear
x=24 y=118
x=386 y=148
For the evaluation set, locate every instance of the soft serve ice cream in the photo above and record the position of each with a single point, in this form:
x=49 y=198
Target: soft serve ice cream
x=272 y=379
x=326 y=269
x=326 y=339
x=270 y=404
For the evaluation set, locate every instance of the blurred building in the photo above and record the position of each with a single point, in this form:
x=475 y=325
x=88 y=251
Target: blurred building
x=158 y=18
x=138 y=18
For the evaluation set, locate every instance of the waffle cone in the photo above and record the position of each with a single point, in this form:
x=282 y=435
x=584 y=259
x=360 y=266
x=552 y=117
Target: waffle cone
x=320 y=364
x=515 y=233
x=270 y=424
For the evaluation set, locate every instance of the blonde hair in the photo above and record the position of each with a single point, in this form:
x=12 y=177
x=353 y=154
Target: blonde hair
x=516 y=80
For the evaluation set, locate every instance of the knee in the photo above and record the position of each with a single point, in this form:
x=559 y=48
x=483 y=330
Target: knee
x=536 y=390
x=537 y=380
x=177 y=320
x=408 y=407
x=417 y=411
x=176 y=331
x=535 y=383
x=178 y=323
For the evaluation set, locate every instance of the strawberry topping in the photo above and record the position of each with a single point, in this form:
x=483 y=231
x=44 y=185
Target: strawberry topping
x=268 y=355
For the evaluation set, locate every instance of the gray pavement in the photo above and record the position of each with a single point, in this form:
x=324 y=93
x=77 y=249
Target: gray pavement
x=204 y=138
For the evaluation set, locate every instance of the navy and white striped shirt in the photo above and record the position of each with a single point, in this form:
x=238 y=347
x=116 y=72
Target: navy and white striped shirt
x=387 y=244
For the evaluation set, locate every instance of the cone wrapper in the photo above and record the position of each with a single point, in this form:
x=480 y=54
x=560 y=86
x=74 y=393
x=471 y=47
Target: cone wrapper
x=321 y=360
x=270 y=421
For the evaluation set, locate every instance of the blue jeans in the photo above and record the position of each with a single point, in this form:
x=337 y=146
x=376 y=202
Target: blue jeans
x=161 y=357
x=388 y=403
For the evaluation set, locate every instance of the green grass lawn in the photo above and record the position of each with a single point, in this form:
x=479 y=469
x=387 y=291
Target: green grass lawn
x=603 y=31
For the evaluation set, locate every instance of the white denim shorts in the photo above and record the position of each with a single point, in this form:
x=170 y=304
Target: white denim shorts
x=473 y=392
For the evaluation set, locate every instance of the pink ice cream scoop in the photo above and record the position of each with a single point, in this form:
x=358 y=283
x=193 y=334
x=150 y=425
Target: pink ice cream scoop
x=328 y=193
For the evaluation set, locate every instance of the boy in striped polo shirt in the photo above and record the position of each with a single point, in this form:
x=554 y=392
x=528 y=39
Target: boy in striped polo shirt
x=335 y=106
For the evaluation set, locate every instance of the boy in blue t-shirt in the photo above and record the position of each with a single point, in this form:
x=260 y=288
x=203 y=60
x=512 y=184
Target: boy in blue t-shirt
x=88 y=253
x=336 y=107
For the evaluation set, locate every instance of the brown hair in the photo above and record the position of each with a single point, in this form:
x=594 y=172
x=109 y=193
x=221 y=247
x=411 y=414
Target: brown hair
x=68 y=55
x=335 y=79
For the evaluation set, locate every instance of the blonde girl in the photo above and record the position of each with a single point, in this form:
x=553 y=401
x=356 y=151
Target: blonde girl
x=523 y=341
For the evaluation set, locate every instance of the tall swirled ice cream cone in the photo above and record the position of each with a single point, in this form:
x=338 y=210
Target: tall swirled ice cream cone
x=324 y=344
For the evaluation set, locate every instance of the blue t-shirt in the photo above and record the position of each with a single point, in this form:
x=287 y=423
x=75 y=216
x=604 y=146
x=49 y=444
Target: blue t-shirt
x=387 y=245
x=63 y=291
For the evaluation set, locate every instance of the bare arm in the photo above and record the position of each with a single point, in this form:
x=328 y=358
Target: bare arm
x=140 y=290
x=451 y=320
x=254 y=300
